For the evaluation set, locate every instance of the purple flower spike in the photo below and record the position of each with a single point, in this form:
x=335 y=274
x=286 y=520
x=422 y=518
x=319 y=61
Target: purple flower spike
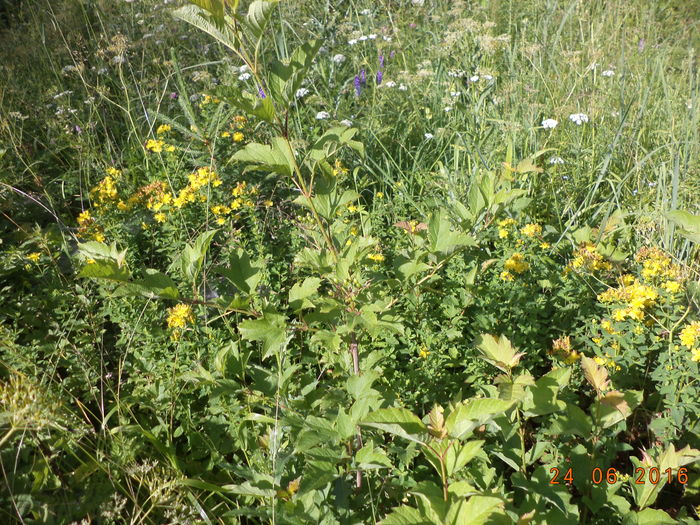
x=380 y=75
x=261 y=92
x=363 y=78
x=381 y=61
x=357 y=86
x=391 y=55
x=173 y=96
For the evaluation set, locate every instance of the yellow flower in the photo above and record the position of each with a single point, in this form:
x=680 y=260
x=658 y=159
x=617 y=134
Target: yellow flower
x=376 y=257
x=379 y=195
x=160 y=217
x=531 y=230
x=240 y=121
x=113 y=172
x=238 y=136
x=156 y=146
x=545 y=245
x=221 y=221
x=502 y=233
x=84 y=218
x=339 y=169
x=225 y=135
x=268 y=204
x=516 y=263
x=99 y=237
x=695 y=355
x=91 y=261
x=163 y=128
x=180 y=315
x=34 y=256
x=239 y=189
x=122 y=206
x=424 y=352
x=507 y=276
x=672 y=286
x=690 y=334
x=352 y=208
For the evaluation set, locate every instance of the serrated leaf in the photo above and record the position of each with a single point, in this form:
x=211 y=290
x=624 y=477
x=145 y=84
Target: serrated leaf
x=596 y=375
x=299 y=293
x=499 y=352
x=270 y=329
x=474 y=413
x=397 y=421
x=368 y=457
x=242 y=272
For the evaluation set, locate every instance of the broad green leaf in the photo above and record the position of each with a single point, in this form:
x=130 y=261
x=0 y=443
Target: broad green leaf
x=277 y=157
x=499 y=352
x=397 y=421
x=596 y=375
x=648 y=517
x=105 y=269
x=369 y=457
x=242 y=272
x=300 y=293
x=615 y=406
x=460 y=454
x=202 y=20
x=192 y=257
x=405 y=516
x=442 y=238
x=154 y=285
x=477 y=510
x=270 y=329
x=573 y=420
x=259 y=13
x=473 y=413
x=688 y=223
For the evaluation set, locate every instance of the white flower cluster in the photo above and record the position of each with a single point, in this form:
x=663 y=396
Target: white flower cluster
x=549 y=123
x=301 y=92
x=323 y=115
x=578 y=118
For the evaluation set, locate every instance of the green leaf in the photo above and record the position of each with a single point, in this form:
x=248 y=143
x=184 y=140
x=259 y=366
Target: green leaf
x=474 y=413
x=688 y=223
x=477 y=510
x=192 y=257
x=259 y=14
x=270 y=329
x=499 y=352
x=242 y=272
x=615 y=406
x=277 y=157
x=369 y=458
x=442 y=239
x=573 y=420
x=405 y=516
x=460 y=454
x=154 y=285
x=300 y=293
x=397 y=421
x=648 y=517
x=105 y=269
x=202 y=20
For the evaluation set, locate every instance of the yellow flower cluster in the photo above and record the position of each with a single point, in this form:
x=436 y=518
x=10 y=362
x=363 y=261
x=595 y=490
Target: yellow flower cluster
x=339 y=169
x=657 y=265
x=531 y=230
x=106 y=190
x=87 y=227
x=376 y=257
x=607 y=361
x=208 y=99
x=34 y=256
x=516 y=263
x=690 y=338
x=504 y=227
x=561 y=349
x=239 y=121
x=179 y=316
x=163 y=128
x=636 y=296
x=587 y=258
x=424 y=352
x=158 y=146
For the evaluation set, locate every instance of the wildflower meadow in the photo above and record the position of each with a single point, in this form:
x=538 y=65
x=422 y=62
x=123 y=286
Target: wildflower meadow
x=348 y=262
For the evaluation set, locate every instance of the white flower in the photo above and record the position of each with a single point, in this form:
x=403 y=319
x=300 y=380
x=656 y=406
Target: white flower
x=455 y=73
x=346 y=122
x=386 y=38
x=578 y=118
x=556 y=160
x=428 y=136
x=339 y=59
x=363 y=38
x=372 y=36
x=68 y=69
x=474 y=78
x=322 y=115
x=119 y=59
x=365 y=12
x=448 y=109
x=102 y=71
x=488 y=77
x=608 y=73
x=455 y=93
x=244 y=76
x=301 y=92
x=390 y=84
x=549 y=123
x=402 y=87
x=243 y=68
x=418 y=2
x=352 y=41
